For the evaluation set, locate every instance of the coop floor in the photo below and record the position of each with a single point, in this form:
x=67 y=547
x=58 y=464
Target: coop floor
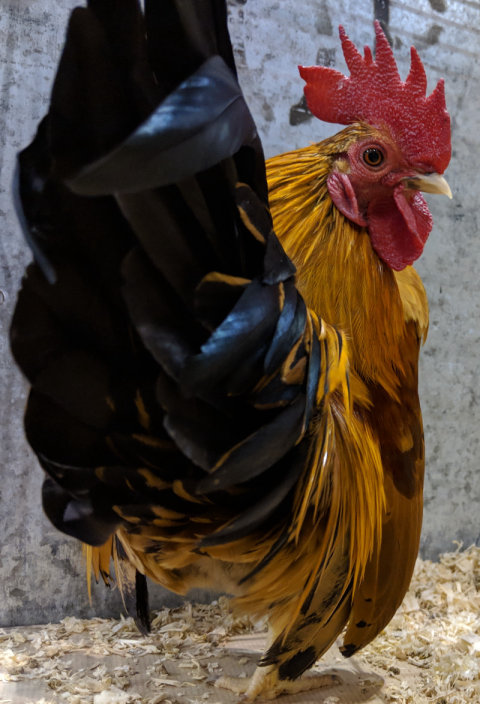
x=429 y=653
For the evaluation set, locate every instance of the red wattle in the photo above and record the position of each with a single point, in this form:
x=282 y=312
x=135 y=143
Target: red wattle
x=399 y=227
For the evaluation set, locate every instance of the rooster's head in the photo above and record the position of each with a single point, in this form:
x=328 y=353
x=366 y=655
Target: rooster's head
x=401 y=145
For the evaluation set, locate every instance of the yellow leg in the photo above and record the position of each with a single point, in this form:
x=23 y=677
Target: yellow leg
x=266 y=685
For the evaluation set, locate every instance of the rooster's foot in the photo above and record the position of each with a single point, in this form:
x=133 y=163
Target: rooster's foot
x=266 y=685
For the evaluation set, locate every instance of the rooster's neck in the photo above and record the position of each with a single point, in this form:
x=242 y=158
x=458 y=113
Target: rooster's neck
x=338 y=273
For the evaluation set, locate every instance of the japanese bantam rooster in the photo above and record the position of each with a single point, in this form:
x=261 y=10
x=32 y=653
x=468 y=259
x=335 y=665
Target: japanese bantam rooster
x=214 y=406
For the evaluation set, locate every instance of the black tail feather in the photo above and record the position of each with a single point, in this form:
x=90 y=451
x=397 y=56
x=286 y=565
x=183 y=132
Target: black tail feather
x=159 y=344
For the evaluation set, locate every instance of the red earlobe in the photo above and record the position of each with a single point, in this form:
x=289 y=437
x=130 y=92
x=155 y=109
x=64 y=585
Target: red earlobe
x=342 y=193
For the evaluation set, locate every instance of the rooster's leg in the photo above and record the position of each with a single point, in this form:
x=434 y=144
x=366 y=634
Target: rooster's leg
x=297 y=640
x=266 y=684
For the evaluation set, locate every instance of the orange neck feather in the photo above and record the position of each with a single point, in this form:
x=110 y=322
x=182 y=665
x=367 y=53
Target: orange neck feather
x=338 y=273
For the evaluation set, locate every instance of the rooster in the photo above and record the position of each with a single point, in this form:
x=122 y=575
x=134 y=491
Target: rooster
x=217 y=401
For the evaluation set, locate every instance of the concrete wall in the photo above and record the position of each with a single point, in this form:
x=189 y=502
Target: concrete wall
x=41 y=571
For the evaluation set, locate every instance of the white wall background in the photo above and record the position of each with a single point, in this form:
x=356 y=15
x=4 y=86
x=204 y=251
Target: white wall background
x=41 y=571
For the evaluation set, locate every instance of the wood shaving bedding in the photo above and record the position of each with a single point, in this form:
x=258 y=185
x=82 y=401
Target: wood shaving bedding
x=429 y=654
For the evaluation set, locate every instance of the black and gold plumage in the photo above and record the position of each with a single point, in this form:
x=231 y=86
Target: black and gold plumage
x=203 y=413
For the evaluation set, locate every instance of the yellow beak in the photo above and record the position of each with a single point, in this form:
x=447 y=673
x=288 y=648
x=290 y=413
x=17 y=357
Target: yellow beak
x=430 y=183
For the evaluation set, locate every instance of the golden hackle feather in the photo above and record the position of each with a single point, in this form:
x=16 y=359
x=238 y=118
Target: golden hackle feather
x=339 y=502
x=338 y=273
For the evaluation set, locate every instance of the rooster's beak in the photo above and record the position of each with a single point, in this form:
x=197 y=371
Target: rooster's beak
x=430 y=183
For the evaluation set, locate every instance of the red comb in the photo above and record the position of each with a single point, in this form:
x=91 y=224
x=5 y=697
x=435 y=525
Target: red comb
x=374 y=92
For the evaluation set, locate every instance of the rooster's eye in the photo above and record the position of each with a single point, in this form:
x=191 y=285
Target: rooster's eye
x=373 y=156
